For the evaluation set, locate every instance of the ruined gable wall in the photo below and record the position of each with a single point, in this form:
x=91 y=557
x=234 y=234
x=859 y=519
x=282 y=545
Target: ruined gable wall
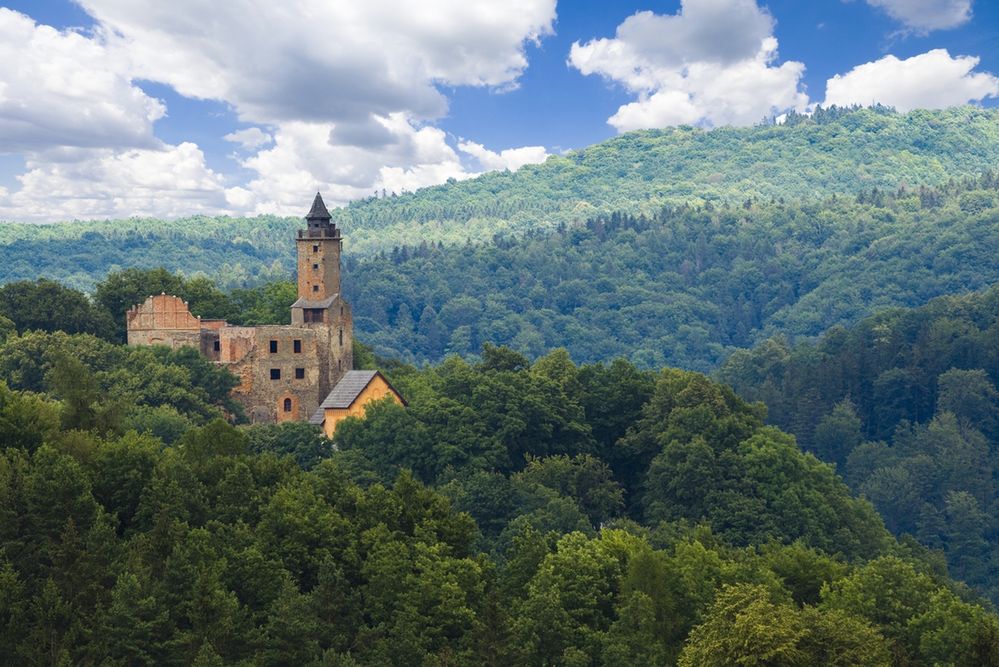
x=163 y=319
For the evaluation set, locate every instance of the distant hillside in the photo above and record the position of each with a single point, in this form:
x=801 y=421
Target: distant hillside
x=838 y=151
x=686 y=287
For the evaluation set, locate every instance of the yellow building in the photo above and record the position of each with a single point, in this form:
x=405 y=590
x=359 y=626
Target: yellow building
x=350 y=398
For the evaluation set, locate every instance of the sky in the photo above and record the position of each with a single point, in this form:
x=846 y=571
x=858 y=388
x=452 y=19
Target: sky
x=121 y=108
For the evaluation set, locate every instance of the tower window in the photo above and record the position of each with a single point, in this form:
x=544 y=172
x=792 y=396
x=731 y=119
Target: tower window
x=299 y=373
x=216 y=346
x=341 y=337
x=273 y=347
x=315 y=267
x=315 y=248
x=287 y=405
x=275 y=373
x=297 y=346
x=315 y=288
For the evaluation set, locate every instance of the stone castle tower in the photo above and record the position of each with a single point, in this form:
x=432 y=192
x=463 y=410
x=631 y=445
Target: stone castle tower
x=285 y=371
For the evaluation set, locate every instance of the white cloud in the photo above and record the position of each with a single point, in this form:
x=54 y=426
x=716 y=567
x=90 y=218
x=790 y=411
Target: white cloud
x=926 y=15
x=345 y=87
x=933 y=80
x=511 y=159
x=64 y=89
x=315 y=60
x=250 y=138
x=713 y=63
x=306 y=157
x=97 y=183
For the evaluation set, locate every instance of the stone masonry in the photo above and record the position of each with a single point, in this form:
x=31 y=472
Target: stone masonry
x=284 y=371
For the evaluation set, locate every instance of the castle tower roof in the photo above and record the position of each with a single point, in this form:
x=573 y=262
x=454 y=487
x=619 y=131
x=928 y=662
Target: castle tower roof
x=318 y=212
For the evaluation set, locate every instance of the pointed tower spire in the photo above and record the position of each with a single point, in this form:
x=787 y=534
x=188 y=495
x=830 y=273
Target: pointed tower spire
x=319 y=210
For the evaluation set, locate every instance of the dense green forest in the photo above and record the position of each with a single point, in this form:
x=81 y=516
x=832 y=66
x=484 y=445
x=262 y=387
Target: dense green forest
x=684 y=288
x=905 y=404
x=836 y=151
x=687 y=286
x=515 y=513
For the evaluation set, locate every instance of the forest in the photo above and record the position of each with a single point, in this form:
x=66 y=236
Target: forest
x=681 y=398
x=684 y=288
x=834 y=151
x=905 y=404
x=517 y=512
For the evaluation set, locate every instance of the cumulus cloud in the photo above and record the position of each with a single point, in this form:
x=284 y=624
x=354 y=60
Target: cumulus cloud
x=344 y=90
x=932 y=80
x=314 y=60
x=926 y=15
x=97 y=183
x=250 y=138
x=713 y=63
x=305 y=157
x=59 y=88
x=346 y=86
x=510 y=159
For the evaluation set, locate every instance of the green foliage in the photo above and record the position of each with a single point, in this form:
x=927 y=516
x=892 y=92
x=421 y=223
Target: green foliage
x=682 y=286
x=112 y=387
x=582 y=515
x=905 y=403
x=45 y=305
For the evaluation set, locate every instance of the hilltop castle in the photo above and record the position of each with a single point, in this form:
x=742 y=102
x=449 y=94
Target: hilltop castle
x=284 y=371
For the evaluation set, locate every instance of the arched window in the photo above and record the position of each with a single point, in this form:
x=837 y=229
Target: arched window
x=287 y=405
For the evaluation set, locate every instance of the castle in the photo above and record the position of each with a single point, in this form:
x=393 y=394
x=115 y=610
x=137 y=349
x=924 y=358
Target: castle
x=285 y=371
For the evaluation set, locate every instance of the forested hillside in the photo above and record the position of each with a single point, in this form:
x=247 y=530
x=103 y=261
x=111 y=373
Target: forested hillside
x=685 y=287
x=515 y=513
x=837 y=151
x=905 y=403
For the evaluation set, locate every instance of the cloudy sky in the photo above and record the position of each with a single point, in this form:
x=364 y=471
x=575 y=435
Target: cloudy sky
x=114 y=108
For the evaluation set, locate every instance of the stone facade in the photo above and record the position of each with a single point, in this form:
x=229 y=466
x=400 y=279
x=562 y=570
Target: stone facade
x=285 y=371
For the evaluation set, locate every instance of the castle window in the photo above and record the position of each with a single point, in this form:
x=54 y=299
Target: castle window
x=315 y=248
x=315 y=288
x=313 y=315
x=273 y=347
x=275 y=373
x=287 y=405
x=299 y=373
x=216 y=346
x=315 y=267
x=341 y=337
x=339 y=364
x=297 y=346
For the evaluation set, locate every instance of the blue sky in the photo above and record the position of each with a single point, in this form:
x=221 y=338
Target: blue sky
x=111 y=108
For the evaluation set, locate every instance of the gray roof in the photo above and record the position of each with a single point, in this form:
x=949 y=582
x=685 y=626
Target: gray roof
x=319 y=210
x=318 y=417
x=348 y=389
x=306 y=303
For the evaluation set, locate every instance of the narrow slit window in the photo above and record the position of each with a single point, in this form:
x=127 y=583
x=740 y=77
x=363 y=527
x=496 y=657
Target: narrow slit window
x=341 y=337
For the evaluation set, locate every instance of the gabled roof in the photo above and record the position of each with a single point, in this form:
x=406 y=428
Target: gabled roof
x=350 y=387
x=318 y=210
x=318 y=417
